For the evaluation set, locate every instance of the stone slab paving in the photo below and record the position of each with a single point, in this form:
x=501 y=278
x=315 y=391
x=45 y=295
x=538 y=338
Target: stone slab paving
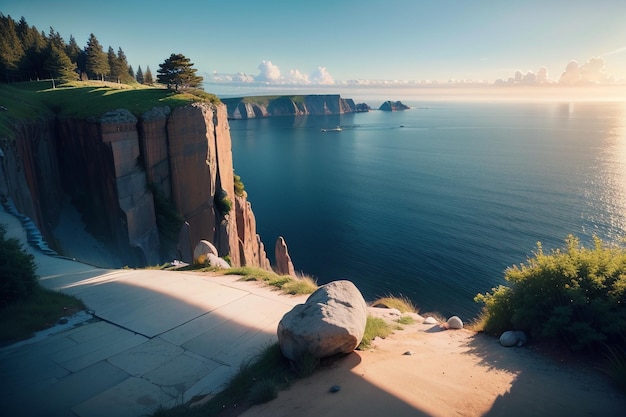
x=158 y=338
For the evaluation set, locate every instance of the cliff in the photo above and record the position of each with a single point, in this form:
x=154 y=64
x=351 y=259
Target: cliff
x=120 y=170
x=267 y=106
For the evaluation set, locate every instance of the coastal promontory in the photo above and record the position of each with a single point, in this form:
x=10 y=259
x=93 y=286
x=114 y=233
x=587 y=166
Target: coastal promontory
x=297 y=105
x=149 y=172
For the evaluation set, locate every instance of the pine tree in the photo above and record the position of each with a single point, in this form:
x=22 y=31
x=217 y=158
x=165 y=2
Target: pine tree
x=177 y=71
x=131 y=72
x=58 y=65
x=11 y=50
x=54 y=38
x=35 y=45
x=96 y=60
x=76 y=55
x=147 y=77
x=113 y=69
x=139 y=76
x=123 y=67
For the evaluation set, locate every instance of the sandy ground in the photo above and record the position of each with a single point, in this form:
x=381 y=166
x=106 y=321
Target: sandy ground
x=449 y=373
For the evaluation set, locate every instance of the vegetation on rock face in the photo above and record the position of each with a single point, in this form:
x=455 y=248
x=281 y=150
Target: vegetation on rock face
x=239 y=187
x=223 y=204
x=575 y=297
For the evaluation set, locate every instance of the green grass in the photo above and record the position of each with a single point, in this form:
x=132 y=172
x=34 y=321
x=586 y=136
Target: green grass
x=402 y=304
x=286 y=283
x=406 y=320
x=78 y=99
x=42 y=309
x=374 y=327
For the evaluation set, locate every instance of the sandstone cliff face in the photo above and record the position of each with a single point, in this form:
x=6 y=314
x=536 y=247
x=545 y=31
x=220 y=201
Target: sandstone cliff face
x=106 y=164
x=323 y=104
x=99 y=164
x=29 y=173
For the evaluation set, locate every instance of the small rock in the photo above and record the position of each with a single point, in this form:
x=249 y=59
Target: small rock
x=63 y=320
x=409 y=353
x=430 y=320
x=455 y=322
x=335 y=388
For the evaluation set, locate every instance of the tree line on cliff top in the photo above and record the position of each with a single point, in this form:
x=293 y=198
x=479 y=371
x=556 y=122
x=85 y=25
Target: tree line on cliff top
x=27 y=54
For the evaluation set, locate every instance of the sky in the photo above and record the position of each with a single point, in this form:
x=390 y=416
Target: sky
x=337 y=41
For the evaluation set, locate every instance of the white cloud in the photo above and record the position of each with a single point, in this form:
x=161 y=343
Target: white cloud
x=593 y=71
x=542 y=75
x=571 y=74
x=321 y=76
x=296 y=77
x=269 y=72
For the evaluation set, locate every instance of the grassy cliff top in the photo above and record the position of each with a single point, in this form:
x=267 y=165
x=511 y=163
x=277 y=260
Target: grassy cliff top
x=82 y=99
x=264 y=100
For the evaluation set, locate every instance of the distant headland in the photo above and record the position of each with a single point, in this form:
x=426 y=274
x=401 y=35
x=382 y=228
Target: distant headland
x=298 y=105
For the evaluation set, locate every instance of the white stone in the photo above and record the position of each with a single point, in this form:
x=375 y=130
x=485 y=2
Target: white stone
x=430 y=320
x=455 y=322
x=202 y=251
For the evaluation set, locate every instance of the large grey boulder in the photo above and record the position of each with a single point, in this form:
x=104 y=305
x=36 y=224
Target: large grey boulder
x=331 y=321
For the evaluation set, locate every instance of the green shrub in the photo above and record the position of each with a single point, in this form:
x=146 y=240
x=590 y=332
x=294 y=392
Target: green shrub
x=239 y=188
x=17 y=270
x=223 y=204
x=575 y=296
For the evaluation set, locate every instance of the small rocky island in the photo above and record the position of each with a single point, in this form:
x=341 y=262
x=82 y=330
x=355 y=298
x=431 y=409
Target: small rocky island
x=393 y=106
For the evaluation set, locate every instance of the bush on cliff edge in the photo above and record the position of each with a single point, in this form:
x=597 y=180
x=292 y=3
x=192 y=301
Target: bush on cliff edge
x=573 y=297
x=17 y=270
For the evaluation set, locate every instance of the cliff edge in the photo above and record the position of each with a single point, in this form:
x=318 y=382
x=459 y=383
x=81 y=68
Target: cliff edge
x=138 y=182
x=268 y=106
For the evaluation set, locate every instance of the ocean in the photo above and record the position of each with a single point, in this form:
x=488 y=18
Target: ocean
x=435 y=202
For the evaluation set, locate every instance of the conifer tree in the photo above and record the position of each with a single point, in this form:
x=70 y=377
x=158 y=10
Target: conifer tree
x=131 y=72
x=76 y=55
x=123 y=68
x=139 y=76
x=147 y=77
x=96 y=60
x=11 y=50
x=113 y=68
x=177 y=71
x=35 y=45
x=58 y=65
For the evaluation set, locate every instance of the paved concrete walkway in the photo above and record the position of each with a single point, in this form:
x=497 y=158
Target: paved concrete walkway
x=158 y=338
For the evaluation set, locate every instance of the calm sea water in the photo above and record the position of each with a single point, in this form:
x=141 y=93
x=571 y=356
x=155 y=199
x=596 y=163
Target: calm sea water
x=435 y=202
